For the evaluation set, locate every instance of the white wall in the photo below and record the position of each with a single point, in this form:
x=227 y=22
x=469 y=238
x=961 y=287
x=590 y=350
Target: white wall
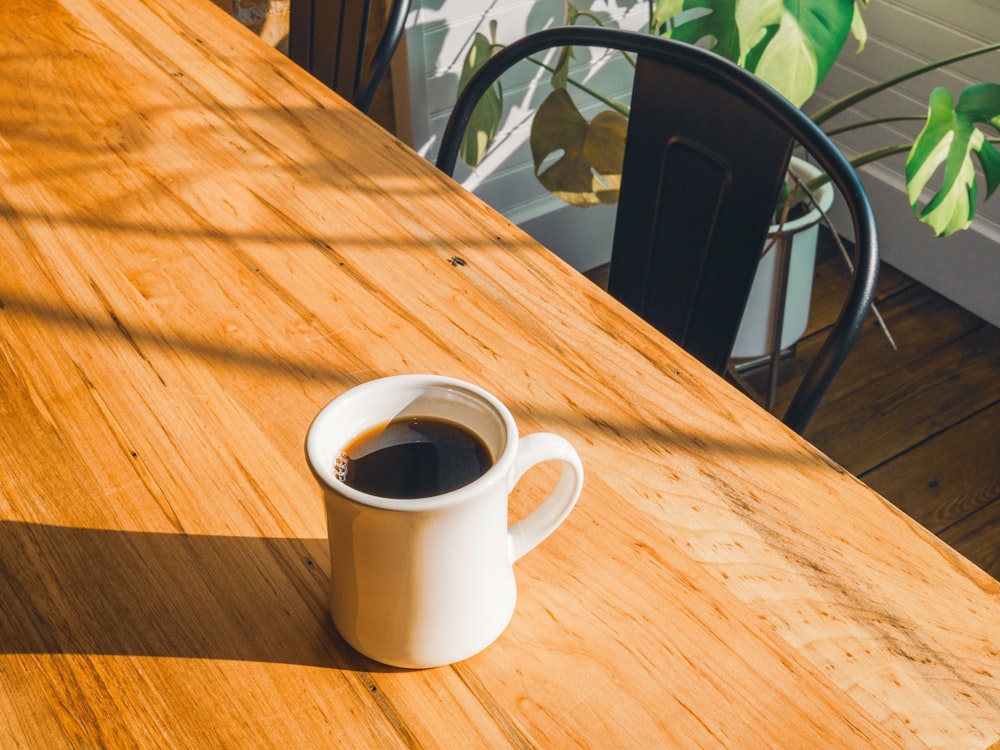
x=438 y=35
x=903 y=35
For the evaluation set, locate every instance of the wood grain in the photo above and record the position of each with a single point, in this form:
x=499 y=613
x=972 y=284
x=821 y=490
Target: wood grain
x=202 y=246
x=911 y=397
x=937 y=488
x=916 y=423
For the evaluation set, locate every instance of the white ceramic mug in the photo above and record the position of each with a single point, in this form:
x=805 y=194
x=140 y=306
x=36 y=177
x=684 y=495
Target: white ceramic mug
x=429 y=581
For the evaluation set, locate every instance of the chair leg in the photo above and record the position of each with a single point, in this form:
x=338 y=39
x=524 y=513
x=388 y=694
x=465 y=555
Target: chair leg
x=782 y=262
x=776 y=321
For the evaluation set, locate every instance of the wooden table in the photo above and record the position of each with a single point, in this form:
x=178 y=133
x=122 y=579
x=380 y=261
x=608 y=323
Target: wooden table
x=200 y=247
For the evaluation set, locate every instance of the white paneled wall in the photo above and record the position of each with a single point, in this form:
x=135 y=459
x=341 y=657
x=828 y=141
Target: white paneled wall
x=438 y=37
x=903 y=34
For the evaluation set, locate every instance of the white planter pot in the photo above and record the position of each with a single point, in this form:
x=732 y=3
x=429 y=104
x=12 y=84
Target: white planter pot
x=754 y=337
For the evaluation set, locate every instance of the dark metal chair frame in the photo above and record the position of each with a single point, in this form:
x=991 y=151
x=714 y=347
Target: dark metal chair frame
x=707 y=150
x=328 y=38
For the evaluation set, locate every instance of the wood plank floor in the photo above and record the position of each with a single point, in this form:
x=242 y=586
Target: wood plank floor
x=920 y=424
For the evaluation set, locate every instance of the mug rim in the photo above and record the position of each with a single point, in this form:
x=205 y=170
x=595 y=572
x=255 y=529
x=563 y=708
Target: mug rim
x=324 y=474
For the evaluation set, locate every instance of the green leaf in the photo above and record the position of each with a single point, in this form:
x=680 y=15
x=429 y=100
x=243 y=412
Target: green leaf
x=946 y=145
x=802 y=52
x=709 y=22
x=586 y=157
x=989 y=157
x=858 y=29
x=751 y=59
x=485 y=119
x=981 y=104
x=791 y=44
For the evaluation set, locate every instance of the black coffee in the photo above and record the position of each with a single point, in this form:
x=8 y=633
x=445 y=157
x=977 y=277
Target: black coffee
x=413 y=457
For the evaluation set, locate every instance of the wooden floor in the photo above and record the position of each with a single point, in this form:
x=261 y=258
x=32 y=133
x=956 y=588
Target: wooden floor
x=919 y=424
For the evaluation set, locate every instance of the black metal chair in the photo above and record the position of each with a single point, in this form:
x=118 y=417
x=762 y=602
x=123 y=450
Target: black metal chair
x=707 y=150
x=328 y=38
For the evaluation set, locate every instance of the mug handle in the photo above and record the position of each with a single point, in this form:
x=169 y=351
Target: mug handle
x=524 y=535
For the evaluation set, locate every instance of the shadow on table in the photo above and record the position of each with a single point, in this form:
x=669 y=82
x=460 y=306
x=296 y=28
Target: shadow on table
x=86 y=591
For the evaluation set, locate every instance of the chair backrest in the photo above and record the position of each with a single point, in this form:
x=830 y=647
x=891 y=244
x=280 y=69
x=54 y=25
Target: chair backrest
x=328 y=38
x=707 y=149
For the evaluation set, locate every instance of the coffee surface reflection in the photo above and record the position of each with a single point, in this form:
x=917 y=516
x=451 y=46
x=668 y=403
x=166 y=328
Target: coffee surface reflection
x=412 y=458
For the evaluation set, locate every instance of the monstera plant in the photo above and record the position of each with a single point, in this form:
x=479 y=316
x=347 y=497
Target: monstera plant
x=792 y=45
